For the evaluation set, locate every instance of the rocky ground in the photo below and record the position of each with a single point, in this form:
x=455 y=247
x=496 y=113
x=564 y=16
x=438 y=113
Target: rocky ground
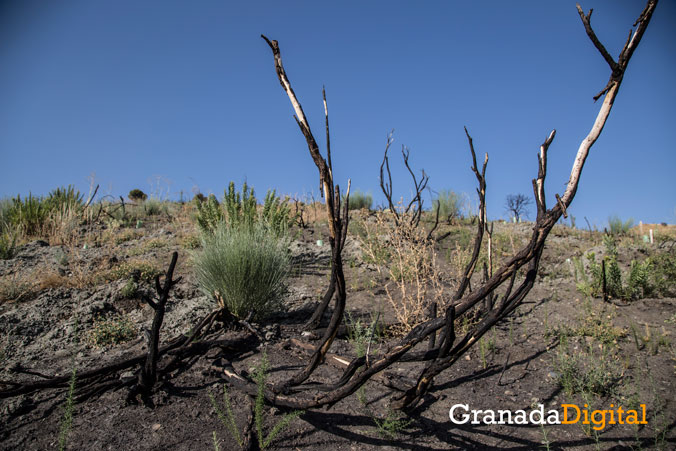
x=78 y=305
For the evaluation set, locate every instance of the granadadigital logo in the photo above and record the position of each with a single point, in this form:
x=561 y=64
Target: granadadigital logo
x=461 y=414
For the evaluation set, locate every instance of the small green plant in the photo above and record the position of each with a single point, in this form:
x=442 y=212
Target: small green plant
x=449 y=205
x=228 y=418
x=585 y=373
x=65 y=197
x=617 y=227
x=663 y=272
x=30 y=214
x=361 y=334
x=136 y=195
x=209 y=214
x=140 y=270
x=7 y=245
x=154 y=207
x=546 y=443
x=130 y=289
x=486 y=346
x=6 y=206
x=157 y=243
x=240 y=209
x=191 y=242
x=360 y=200
x=392 y=424
x=245 y=270
x=276 y=213
x=593 y=286
x=639 y=283
x=110 y=331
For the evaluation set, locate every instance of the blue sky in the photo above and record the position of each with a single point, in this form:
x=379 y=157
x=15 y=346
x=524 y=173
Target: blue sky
x=172 y=95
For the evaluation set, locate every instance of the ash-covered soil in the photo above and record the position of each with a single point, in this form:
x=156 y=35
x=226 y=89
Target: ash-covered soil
x=55 y=298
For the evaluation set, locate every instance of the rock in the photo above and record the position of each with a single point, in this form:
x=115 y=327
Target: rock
x=127 y=375
x=156 y=427
x=17 y=406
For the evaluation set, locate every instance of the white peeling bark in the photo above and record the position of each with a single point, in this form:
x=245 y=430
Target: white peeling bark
x=587 y=143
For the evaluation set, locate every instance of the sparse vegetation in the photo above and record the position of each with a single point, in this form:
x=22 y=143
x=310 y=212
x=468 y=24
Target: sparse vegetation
x=138 y=269
x=7 y=245
x=402 y=253
x=360 y=200
x=654 y=276
x=228 y=418
x=449 y=204
x=617 y=227
x=110 y=331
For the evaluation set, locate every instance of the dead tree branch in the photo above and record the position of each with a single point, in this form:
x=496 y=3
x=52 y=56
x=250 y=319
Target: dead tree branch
x=148 y=374
x=338 y=221
x=528 y=258
x=386 y=186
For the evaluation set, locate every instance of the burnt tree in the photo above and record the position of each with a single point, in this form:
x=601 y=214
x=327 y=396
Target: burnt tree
x=444 y=351
x=517 y=205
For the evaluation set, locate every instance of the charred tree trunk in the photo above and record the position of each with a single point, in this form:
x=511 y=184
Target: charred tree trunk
x=148 y=375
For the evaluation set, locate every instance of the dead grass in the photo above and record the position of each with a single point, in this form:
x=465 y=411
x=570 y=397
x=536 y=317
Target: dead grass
x=402 y=253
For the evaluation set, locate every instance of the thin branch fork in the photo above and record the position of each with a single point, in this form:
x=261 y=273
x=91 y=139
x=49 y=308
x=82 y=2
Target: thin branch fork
x=386 y=186
x=610 y=93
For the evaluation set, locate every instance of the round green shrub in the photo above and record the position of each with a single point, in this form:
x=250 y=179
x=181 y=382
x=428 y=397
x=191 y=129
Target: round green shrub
x=137 y=195
x=244 y=268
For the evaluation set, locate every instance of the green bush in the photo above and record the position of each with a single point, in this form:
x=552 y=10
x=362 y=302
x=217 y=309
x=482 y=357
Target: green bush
x=359 y=200
x=7 y=245
x=30 y=214
x=209 y=214
x=244 y=269
x=137 y=195
x=639 y=283
x=654 y=276
x=449 y=204
x=154 y=207
x=664 y=274
x=276 y=213
x=617 y=227
x=239 y=210
x=6 y=207
x=67 y=197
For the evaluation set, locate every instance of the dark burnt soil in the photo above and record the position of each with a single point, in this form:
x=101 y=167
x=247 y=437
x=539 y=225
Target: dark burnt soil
x=627 y=350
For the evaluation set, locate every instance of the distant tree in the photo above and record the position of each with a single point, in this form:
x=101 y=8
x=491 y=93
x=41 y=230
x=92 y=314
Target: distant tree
x=517 y=205
x=137 y=195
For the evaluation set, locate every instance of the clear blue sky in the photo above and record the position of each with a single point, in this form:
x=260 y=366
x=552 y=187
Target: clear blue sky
x=186 y=93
